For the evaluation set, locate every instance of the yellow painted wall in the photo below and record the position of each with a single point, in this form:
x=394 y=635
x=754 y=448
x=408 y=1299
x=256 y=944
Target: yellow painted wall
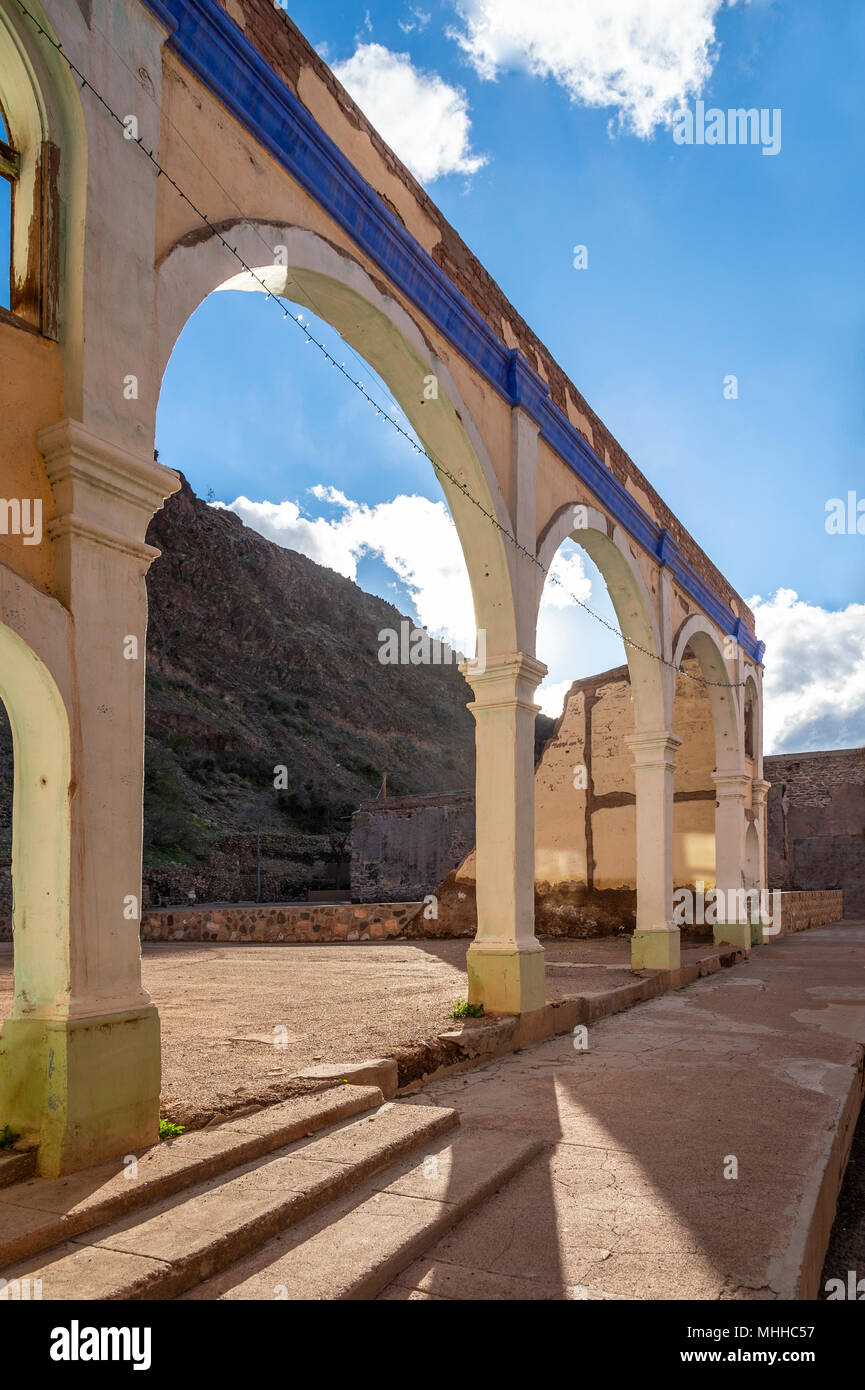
x=30 y=399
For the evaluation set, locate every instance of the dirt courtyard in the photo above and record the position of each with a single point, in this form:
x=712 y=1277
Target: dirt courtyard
x=239 y=1021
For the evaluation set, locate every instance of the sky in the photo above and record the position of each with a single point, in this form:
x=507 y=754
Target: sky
x=716 y=327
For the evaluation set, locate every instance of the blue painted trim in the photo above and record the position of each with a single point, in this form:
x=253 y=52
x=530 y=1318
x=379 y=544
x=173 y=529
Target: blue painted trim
x=212 y=46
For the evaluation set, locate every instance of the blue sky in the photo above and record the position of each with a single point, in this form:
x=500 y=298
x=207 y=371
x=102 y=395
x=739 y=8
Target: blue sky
x=703 y=261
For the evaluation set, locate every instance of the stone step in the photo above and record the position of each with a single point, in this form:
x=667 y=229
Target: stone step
x=175 y=1243
x=358 y=1244
x=16 y=1167
x=43 y=1212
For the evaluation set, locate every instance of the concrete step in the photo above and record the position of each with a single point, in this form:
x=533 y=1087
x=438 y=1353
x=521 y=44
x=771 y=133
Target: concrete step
x=173 y=1244
x=355 y=1247
x=43 y=1212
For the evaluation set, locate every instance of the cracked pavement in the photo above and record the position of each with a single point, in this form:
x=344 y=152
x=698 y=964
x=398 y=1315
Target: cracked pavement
x=693 y=1151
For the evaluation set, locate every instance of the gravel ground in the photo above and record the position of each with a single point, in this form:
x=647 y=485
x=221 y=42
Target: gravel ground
x=239 y=1021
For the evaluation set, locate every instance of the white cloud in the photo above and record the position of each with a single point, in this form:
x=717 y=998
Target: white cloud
x=551 y=698
x=414 y=537
x=814 y=686
x=647 y=58
x=419 y=20
x=423 y=119
x=567 y=576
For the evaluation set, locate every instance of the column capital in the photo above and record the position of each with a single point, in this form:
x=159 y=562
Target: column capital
x=732 y=784
x=504 y=680
x=653 y=749
x=100 y=490
x=759 y=791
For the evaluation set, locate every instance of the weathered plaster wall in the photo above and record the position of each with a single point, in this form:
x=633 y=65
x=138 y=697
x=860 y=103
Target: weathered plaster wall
x=587 y=837
x=30 y=398
x=816 y=823
x=585 y=850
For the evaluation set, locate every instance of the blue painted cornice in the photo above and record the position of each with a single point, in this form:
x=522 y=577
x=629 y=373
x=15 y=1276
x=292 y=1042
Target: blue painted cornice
x=217 y=51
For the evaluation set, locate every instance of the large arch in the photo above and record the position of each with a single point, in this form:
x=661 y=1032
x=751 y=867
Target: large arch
x=337 y=289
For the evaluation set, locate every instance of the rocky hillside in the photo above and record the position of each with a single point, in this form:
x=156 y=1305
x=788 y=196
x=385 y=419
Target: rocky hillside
x=260 y=658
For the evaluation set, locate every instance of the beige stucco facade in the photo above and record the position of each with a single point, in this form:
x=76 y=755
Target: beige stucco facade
x=115 y=244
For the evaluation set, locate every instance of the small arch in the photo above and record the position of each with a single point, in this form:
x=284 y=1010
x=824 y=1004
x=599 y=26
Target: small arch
x=697 y=635
x=753 y=725
x=608 y=547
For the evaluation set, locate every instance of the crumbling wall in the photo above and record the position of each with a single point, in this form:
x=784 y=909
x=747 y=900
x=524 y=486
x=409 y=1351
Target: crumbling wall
x=402 y=847
x=816 y=823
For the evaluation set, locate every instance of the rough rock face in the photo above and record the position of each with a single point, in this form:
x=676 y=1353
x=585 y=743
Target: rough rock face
x=257 y=658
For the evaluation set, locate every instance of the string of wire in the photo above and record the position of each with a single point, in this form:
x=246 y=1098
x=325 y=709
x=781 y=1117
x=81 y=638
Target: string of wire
x=297 y=320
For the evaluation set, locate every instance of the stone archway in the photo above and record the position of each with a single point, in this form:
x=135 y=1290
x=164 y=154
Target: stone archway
x=652 y=743
x=725 y=688
x=334 y=286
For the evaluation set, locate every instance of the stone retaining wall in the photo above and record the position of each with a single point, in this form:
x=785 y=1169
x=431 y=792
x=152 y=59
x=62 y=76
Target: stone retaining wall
x=255 y=922
x=811 y=909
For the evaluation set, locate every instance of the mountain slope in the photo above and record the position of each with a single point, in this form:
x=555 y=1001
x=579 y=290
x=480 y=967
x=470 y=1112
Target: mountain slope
x=260 y=658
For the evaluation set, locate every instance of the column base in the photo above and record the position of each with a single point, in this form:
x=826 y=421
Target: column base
x=507 y=981
x=733 y=934
x=656 y=950
x=757 y=935
x=86 y=1089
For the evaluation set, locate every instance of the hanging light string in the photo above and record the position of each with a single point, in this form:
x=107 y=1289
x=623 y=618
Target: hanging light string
x=381 y=412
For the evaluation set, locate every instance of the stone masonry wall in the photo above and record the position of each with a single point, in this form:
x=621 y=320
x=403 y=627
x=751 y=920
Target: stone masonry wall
x=816 y=823
x=802 y=910
x=262 y=922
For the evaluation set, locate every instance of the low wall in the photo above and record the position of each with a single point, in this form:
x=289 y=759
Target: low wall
x=279 y=922
x=800 y=910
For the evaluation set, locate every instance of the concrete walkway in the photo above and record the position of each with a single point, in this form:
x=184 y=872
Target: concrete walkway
x=238 y=1021
x=695 y=1150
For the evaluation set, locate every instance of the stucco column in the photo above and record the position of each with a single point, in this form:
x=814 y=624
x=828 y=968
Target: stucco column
x=81 y=1048
x=505 y=961
x=655 y=943
x=732 y=791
